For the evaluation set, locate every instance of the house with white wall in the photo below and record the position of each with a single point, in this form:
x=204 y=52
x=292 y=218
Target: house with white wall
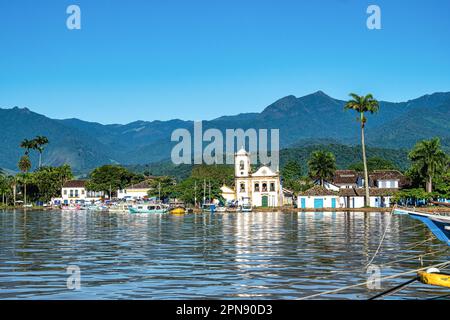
x=387 y=179
x=136 y=191
x=379 y=197
x=74 y=192
x=318 y=197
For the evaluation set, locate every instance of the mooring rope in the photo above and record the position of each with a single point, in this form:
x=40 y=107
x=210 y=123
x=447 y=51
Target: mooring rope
x=379 y=265
x=442 y=265
x=382 y=238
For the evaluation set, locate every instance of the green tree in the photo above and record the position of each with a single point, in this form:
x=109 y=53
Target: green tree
x=28 y=145
x=39 y=144
x=291 y=174
x=109 y=178
x=322 y=165
x=363 y=104
x=5 y=188
x=219 y=174
x=374 y=163
x=428 y=161
x=49 y=180
x=24 y=166
x=163 y=188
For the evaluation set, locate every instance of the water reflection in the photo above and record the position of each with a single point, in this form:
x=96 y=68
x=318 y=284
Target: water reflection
x=244 y=255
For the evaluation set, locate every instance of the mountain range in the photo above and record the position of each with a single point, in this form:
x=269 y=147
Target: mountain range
x=302 y=120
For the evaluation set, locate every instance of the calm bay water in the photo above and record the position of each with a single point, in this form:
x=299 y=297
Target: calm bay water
x=220 y=256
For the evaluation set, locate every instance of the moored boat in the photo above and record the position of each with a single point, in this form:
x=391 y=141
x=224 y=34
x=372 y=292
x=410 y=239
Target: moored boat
x=178 y=210
x=439 y=224
x=149 y=208
x=209 y=207
x=120 y=208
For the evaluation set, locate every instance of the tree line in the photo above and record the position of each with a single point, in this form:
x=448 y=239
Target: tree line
x=428 y=173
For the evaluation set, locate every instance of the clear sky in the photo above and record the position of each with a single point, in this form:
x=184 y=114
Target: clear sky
x=200 y=59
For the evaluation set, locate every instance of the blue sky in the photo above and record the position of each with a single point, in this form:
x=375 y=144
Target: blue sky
x=197 y=59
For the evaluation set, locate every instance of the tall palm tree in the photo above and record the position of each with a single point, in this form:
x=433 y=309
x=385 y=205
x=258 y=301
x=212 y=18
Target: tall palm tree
x=24 y=166
x=322 y=165
x=40 y=143
x=363 y=104
x=429 y=160
x=28 y=145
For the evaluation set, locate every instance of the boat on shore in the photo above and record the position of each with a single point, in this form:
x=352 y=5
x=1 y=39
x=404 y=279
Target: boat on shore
x=149 y=208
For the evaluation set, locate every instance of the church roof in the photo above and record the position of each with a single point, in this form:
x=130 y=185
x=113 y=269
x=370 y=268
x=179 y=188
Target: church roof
x=241 y=152
x=264 y=171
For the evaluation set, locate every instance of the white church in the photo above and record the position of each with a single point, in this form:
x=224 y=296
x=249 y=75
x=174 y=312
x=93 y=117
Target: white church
x=261 y=188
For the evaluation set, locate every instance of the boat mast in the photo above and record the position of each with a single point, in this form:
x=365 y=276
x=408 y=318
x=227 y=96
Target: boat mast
x=204 y=191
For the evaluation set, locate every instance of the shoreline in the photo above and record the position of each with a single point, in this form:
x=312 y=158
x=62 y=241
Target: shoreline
x=273 y=209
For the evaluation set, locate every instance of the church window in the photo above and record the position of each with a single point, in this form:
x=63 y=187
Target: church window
x=272 y=186
x=241 y=165
x=242 y=187
x=257 y=187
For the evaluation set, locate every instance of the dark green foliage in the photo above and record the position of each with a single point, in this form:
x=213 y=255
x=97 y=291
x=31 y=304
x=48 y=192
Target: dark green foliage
x=429 y=161
x=345 y=155
x=374 y=163
x=162 y=188
x=111 y=178
x=321 y=165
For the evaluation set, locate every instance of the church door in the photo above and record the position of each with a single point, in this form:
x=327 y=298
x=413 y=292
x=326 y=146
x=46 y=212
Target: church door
x=265 y=201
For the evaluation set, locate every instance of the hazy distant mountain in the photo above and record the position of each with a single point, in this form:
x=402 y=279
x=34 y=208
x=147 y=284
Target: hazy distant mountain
x=310 y=119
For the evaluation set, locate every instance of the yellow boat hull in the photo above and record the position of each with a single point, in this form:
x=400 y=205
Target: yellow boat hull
x=178 y=211
x=434 y=279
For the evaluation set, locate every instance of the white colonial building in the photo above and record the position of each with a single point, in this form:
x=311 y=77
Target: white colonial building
x=135 y=191
x=261 y=188
x=349 y=186
x=75 y=192
x=318 y=197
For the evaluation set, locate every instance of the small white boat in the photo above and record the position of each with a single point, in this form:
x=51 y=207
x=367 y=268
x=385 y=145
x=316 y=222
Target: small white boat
x=120 y=208
x=149 y=208
x=247 y=207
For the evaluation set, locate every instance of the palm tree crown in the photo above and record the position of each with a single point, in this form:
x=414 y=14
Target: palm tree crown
x=27 y=145
x=428 y=158
x=362 y=104
x=322 y=165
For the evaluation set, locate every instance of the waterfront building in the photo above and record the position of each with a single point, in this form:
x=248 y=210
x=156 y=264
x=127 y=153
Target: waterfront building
x=318 y=197
x=261 y=188
x=74 y=191
x=135 y=191
x=349 y=184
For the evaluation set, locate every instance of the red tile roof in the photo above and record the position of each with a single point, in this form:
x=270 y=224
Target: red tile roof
x=75 y=184
x=318 y=191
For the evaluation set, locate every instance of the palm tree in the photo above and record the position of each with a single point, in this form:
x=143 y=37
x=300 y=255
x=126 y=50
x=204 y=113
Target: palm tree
x=28 y=145
x=363 y=104
x=322 y=165
x=429 y=160
x=40 y=143
x=25 y=166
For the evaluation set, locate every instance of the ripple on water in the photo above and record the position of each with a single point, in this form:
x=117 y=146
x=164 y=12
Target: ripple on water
x=228 y=256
